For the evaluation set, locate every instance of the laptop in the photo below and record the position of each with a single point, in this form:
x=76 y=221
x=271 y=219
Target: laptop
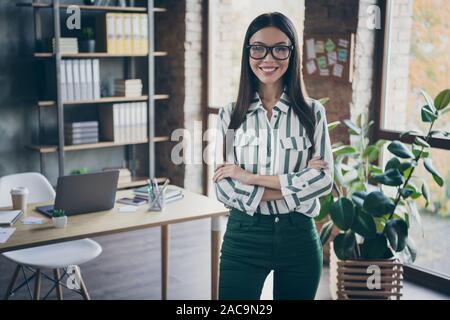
x=84 y=193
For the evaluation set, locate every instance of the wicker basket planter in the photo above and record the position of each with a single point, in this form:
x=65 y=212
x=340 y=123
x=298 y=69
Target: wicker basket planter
x=349 y=279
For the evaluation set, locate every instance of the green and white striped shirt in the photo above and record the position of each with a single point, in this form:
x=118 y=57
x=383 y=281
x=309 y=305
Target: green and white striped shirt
x=276 y=147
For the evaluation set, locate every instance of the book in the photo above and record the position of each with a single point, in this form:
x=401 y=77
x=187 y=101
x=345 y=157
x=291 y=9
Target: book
x=8 y=218
x=81 y=124
x=132 y=201
x=73 y=141
x=144 y=33
x=69 y=80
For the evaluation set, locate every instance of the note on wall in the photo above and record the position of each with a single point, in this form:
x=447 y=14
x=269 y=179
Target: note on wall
x=338 y=70
x=342 y=55
x=310 y=49
x=332 y=58
x=320 y=46
x=311 y=67
x=329 y=45
x=343 y=43
x=322 y=62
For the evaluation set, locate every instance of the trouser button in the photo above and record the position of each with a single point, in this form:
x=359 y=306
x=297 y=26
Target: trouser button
x=277 y=219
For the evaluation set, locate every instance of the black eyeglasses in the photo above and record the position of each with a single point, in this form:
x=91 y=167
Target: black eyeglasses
x=279 y=52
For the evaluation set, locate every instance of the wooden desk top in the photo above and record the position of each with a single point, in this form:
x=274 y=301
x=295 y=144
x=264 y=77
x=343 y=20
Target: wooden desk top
x=192 y=207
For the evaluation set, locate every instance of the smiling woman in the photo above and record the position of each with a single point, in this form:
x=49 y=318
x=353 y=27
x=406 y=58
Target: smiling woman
x=274 y=161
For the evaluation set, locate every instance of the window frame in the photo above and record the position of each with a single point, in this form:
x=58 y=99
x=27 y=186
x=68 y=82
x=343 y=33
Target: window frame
x=420 y=275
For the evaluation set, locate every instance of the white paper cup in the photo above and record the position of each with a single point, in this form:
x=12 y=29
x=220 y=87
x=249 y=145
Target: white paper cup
x=19 y=197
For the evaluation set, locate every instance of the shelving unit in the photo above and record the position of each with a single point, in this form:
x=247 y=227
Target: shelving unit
x=60 y=148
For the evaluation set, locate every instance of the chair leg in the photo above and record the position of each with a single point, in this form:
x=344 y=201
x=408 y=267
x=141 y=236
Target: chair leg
x=12 y=283
x=37 y=285
x=83 y=289
x=57 y=277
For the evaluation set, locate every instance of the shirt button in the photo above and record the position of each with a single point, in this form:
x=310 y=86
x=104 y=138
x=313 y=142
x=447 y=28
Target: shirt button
x=277 y=219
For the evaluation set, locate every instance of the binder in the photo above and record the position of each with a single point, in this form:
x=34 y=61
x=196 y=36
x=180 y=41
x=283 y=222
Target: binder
x=110 y=33
x=144 y=33
x=119 y=33
x=96 y=78
x=144 y=129
x=135 y=34
x=89 y=79
x=127 y=40
x=69 y=82
x=76 y=79
x=83 y=80
x=63 y=81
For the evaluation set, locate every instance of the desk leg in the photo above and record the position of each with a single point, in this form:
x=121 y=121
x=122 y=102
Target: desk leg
x=164 y=260
x=216 y=232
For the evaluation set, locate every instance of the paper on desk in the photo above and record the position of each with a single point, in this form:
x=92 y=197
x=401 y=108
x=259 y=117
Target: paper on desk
x=5 y=233
x=32 y=220
x=128 y=209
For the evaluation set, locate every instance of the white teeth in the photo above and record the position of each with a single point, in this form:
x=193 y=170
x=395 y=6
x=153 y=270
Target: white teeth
x=268 y=69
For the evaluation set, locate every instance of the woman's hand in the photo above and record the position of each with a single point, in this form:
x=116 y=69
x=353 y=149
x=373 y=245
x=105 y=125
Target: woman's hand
x=228 y=170
x=316 y=163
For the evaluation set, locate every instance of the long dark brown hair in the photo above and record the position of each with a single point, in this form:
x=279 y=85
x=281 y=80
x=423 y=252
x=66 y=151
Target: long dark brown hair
x=292 y=79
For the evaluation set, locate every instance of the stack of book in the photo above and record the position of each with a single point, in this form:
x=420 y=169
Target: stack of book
x=80 y=79
x=170 y=194
x=124 y=122
x=124 y=174
x=66 y=45
x=81 y=132
x=128 y=88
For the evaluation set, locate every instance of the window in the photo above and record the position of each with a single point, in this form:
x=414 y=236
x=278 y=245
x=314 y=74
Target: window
x=417 y=42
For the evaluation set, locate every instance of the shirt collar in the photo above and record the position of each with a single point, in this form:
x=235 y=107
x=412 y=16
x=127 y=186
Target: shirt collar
x=283 y=104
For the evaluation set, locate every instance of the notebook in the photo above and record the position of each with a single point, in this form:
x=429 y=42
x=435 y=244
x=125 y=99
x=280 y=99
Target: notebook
x=8 y=218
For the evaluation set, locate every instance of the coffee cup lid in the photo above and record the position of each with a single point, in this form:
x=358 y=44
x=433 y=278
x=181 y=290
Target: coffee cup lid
x=19 y=190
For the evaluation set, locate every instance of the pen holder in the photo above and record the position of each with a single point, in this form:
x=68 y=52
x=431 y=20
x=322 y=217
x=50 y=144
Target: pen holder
x=156 y=200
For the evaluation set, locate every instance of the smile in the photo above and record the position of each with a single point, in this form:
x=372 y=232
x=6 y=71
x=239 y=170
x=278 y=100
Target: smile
x=268 y=69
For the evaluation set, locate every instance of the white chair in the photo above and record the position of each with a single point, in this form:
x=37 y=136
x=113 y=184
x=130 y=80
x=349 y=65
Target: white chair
x=55 y=256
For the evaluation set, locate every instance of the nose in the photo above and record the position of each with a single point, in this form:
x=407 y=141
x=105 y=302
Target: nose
x=269 y=57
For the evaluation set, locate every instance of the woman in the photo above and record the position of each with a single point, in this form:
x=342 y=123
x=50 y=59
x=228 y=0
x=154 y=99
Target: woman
x=274 y=161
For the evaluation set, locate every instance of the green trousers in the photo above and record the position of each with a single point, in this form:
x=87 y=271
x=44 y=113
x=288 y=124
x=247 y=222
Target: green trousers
x=253 y=246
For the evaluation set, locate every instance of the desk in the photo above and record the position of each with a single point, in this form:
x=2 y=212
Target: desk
x=192 y=207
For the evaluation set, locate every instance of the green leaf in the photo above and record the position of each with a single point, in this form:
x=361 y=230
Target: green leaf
x=429 y=166
x=442 y=100
x=427 y=114
x=406 y=192
x=342 y=213
x=416 y=150
x=429 y=101
x=373 y=169
x=376 y=248
x=344 y=245
x=420 y=142
x=325 y=204
x=371 y=153
x=358 y=198
x=364 y=225
x=393 y=163
x=411 y=133
x=353 y=128
x=391 y=177
x=414 y=212
x=410 y=251
x=426 y=193
x=344 y=150
x=333 y=125
x=325 y=232
x=324 y=101
x=400 y=150
x=397 y=232
x=377 y=204
x=434 y=133
x=338 y=177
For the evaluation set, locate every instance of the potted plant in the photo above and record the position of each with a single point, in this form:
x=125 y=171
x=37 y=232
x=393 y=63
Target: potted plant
x=59 y=218
x=374 y=208
x=87 y=43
